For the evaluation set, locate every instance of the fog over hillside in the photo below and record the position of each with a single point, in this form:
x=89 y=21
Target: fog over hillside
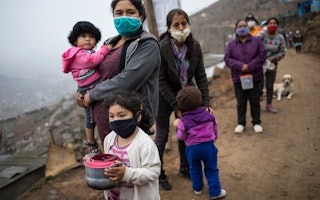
x=19 y=95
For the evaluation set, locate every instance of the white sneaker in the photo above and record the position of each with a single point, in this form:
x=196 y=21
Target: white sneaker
x=197 y=192
x=222 y=194
x=239 y=129
x=258 y=128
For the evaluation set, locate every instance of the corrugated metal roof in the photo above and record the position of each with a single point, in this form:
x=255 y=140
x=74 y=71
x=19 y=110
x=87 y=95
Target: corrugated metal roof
x=17 y=171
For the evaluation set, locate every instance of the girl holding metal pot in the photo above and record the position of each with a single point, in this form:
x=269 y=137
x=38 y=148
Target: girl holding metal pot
x=138 y=175
x=130 y=167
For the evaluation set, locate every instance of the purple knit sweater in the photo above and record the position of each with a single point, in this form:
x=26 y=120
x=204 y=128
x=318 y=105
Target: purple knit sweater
x=197 y=126
x=252 y=53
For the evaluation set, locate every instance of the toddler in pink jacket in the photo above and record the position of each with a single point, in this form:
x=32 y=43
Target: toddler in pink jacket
x=81 y=60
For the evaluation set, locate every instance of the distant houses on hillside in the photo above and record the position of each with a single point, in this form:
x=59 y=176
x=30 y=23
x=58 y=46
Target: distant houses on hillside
x=306 y=6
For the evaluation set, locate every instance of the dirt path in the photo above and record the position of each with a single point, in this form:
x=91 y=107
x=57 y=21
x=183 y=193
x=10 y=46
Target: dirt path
x=282 y=163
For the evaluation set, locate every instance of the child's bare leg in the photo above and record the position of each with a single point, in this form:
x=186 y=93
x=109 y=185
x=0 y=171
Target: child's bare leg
x=90 y=135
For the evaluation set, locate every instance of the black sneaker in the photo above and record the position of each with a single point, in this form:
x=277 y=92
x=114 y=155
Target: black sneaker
x=163 y=183
x=184 y=173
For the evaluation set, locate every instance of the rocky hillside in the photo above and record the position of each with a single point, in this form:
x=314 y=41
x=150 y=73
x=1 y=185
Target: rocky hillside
x=60 y=124
x=21 y=95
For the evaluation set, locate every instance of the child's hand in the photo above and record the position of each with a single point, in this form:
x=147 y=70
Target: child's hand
x=210 y=110
x=176 y=122
x=116 y=171
x=179 y=114
x=88 y=156
x=110 y=47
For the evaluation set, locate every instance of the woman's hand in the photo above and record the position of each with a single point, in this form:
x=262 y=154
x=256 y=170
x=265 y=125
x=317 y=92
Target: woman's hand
x=79 y=99
x=272 y=59
x=86 y=100
x=114 y=172
x=245 y=68
x=110 y=47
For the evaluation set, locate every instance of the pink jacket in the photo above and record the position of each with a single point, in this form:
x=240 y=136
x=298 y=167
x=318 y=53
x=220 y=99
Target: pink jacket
x=82 y=64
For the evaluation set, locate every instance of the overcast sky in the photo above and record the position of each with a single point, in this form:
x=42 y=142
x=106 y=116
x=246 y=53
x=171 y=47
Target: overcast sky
x=34 y=32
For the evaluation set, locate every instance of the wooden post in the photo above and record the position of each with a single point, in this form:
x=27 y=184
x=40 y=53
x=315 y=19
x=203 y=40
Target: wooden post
x=151 y=18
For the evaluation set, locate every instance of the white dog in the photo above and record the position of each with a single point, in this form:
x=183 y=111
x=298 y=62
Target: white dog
x=285 y=88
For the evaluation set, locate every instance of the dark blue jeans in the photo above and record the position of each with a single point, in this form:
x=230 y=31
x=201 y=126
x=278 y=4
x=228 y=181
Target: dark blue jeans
x=242 y=97
x=208 y=154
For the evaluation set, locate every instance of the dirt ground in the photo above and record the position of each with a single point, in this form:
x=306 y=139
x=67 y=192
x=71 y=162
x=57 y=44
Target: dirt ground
x=281 y=163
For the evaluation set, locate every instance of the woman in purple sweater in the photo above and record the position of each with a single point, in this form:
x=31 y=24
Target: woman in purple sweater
x=245 y=55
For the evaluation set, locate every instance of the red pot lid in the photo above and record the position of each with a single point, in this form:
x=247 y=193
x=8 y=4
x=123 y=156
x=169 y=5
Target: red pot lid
x=101 y=160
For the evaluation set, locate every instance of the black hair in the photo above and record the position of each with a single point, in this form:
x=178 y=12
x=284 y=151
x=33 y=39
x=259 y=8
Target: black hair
x=189 y=40
x=140 y=7
x=275 y=19
x=82 y=27
x=131 y=101
x=137 y=4
x=237 y=22
x=250 y=16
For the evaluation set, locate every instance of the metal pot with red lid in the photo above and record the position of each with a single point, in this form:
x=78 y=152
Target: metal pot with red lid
x=94 y=168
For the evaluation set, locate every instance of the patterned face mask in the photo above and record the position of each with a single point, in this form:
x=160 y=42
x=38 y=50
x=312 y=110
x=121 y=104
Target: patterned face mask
x=243 y=31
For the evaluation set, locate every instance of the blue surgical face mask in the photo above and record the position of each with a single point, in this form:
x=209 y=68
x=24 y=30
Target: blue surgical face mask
x=127 y=26
x=243 y=31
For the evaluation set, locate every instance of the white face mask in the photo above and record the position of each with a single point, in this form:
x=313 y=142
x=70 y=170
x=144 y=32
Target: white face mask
x=181 y=36
x=251 y=24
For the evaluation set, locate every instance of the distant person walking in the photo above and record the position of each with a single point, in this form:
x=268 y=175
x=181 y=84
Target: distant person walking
x=290 y=38
x=81 y=60
x=198 y=128
x=297 y=40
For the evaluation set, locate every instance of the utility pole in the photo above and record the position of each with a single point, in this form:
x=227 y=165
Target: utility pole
x=151 y=18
